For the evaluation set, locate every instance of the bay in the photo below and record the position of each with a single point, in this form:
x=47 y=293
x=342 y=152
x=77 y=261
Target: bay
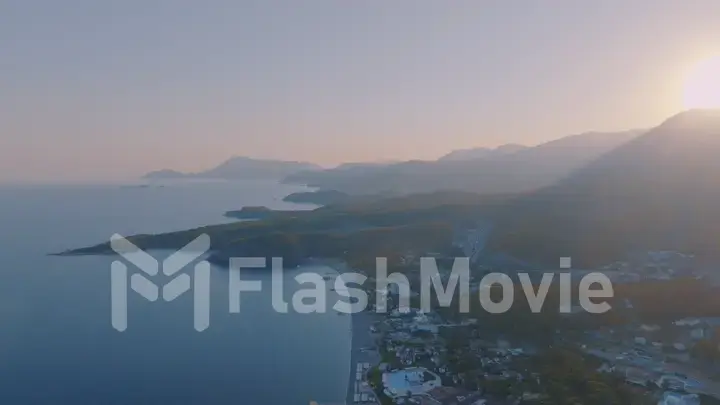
x=57 y=345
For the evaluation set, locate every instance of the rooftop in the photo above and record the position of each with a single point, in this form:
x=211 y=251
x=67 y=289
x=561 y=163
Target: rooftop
x=675 y=398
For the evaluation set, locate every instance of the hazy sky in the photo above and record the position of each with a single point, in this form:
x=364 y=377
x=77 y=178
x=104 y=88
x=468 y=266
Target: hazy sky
x=93 y=89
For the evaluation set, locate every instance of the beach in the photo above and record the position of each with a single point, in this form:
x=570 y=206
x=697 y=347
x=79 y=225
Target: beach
x=362 y=338
x=364 y=352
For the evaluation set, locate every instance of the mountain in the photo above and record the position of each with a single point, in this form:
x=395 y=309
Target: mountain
x=524 y=170
x=165 y=174
x=361 y=165
x=241 y=168
x=345 y=172
x=660 y=191
x=482 y=153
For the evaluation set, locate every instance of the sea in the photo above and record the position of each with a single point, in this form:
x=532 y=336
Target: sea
x=57 y=343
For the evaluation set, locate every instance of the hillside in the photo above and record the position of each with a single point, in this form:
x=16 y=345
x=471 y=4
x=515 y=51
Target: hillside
x=356 y=232
x=659 y=191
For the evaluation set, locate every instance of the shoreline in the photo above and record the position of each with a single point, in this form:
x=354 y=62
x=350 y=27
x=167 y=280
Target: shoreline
x=360 y=338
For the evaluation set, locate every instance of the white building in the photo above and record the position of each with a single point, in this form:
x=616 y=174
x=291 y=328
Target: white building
x=687 y=322
x=650 y=328
x=674 y=398
x=672 y=382
x=679 y=346
x=697 y=333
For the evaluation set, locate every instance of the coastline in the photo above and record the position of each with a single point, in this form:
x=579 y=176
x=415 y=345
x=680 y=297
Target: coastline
x=361 y=339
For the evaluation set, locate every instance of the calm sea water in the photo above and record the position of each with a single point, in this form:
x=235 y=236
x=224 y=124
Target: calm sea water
x=57 y=345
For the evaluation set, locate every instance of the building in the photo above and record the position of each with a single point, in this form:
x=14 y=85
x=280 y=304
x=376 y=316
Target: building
x=675 y=398
x=687 y=322
x=650 y=328
x=606 y=368
x=672 y=382
x=637 y=376
x=697 y=333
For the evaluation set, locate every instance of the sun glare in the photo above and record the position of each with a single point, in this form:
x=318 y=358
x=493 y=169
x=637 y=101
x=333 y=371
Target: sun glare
x=702 y=85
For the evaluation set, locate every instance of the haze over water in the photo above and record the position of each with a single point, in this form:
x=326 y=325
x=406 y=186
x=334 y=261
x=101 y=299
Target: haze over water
x=56 y=342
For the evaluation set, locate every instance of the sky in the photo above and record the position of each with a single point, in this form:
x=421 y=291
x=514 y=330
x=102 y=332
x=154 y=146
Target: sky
x=105 y=90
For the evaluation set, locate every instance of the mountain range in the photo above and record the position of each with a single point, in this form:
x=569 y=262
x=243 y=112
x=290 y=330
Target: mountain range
x=659 y=190
x=507 y=169
x=482 y=153
x=240 y=168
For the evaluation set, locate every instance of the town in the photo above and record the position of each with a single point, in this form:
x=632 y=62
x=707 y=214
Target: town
x=628 y=356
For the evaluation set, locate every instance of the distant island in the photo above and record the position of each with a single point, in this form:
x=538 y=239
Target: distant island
x=240 y=168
